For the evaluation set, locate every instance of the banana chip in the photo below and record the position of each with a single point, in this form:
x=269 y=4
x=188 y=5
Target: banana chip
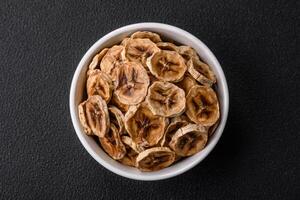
x=201 y=72
x=130 y=157
x=167 y=46
x=95 y=64
x=202 y=106
x=117 y=118
x=175 y=124
x=112 y=59
x=131 y=83
x=138 y=50
x=116 y=102
x=155 y=159
x=165 y=99
x=187 y=83
x=187 y=52
x=93 y=115
x=189 y=140
x=98 y=83
x=112 y=144
x=167 y=66
x=154 y=37
x=134 y=146
x=145 y=128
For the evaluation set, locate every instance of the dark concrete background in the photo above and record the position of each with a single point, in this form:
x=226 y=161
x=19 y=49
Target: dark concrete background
x=257 y=44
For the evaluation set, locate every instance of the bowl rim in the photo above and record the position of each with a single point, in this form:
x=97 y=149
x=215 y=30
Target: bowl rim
x=141 y=26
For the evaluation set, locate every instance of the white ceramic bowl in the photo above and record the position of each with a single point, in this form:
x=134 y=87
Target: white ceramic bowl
x=78 y=86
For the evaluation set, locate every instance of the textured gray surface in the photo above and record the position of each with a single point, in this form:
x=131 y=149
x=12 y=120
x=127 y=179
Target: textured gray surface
x=256 y=44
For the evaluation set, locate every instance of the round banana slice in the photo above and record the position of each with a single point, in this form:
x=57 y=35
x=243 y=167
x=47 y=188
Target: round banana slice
x=131 y=83
x=154 y=37
x=117 y=118
x=167 y=66
x=129 y=142
x=93 y=115
x=138 y=50
x=187 y=83
x=155 y=159
x=201 y=72
x=175 y=124
x=187 y=52
x=98 y=83
x=112 y=144
x=202 y=106
x=116 y=102
x=95 y=64
x=145 y=128
x=189 y=140
x=167 y=46
x=112 y=59
x=165 y=99
x=130 y=157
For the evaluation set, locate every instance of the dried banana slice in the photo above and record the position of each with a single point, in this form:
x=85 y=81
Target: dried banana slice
x=138 y=50
x=131 y=83
x=175 y=124
x=93 y=115
x=129 y=142
x=189 y=140
x=187 y=83
x=167 y=46
x=130 y=157
x=95 y=64
x=112 y=59
x=155 y=159
x=187 y=52
x=116 y=102
x=112 y=144
x=145 y=128
x=154 y=37
x=165 y=99
x=117 y=118
x=167 y=66
x=201 y=72
x=98 y=83
x=202 y=106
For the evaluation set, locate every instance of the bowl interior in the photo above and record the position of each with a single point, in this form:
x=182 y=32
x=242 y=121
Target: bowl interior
x=78 y=87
